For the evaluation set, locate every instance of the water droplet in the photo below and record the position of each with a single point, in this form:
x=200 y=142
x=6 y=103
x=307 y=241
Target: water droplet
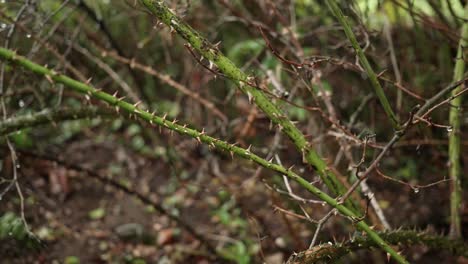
x=21 y=103
x=324 y=203
x=3 y=25
x=10 y=233
x=416 y=190
x=449 y=129
x=18 y=166
x=28 y=35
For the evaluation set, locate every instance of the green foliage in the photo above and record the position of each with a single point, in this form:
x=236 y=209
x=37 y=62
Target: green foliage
x=22 y=138
x=407 y=170
x=245 y=50
x=230 y=216
x=12 y=227
x=97 y=213
x=237 y=252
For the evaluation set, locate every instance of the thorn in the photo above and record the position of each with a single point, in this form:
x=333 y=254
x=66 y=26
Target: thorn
x=248 y=149
x=136 y=104
x=121 y=98
x=271 y=160
x=174 y=121
x=49 y=78
x=250 y=97
x=216 y=45
x=290 y=168
x=202 y=131
x=115 y=94
x=232 y=154
x=89 y=80
x=211 y=65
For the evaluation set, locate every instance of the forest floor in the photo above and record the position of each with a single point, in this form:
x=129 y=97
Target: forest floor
x=78 y=217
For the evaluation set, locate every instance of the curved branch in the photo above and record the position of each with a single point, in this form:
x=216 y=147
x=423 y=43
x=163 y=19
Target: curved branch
x=331 y=253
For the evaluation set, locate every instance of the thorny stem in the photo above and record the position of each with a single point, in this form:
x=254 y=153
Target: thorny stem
x=454 y=136
x=120 y=104
x=244 y=83
x=333 y=5
x=326 y=253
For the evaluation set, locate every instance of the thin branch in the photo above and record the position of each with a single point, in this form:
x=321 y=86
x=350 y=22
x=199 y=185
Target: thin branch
x=333 y=5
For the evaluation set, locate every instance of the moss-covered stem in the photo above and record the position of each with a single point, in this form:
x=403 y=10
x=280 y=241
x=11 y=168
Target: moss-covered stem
x=242 y=80
x=47 y=116
x=327 y=253
x=454 y=136
x=120 y=105
x=335 y=9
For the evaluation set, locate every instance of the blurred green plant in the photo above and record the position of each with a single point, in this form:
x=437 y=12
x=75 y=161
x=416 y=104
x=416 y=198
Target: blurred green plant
x=12 y=227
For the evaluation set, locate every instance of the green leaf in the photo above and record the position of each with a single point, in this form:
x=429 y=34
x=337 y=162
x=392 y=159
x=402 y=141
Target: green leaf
x=22 y=139
x=72 y=260
x=237 y=252
x=97 y=213
x=245 y=50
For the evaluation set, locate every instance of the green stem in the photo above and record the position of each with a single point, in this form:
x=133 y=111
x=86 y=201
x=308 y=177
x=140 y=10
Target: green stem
x=454 y=136
x=335 y=9
x=242 y=80
x=120 y=104
x=332 y=253
x=47 y=116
